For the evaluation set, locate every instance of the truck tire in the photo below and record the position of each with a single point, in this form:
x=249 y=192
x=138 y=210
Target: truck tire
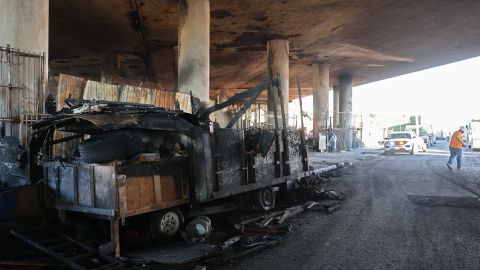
x=265 y=199
x=109 y=147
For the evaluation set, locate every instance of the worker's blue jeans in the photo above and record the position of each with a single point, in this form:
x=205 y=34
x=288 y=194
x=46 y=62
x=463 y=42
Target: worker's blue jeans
x=455 y=152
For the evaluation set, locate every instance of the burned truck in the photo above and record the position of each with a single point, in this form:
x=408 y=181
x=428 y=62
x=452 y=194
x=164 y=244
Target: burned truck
x=136 y=159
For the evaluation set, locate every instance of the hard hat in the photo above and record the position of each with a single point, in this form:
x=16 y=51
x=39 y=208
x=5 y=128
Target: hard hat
x=462 y=128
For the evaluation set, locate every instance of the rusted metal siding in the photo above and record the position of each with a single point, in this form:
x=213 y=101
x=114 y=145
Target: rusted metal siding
x=79 y=88
x=294 y=146
x=22 y=85
x=229 y=158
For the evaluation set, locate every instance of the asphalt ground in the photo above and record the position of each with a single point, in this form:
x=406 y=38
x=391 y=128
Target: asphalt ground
x=401 y=212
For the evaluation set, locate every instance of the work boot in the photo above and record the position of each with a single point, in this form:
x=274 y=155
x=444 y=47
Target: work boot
x=449 y=167
x=459 y=168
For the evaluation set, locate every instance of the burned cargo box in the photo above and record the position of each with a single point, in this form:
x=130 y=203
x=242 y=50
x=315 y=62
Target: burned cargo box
x=116 y=190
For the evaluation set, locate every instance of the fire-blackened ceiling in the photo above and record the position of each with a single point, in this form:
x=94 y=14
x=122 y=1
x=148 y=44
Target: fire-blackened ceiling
x=370 y=39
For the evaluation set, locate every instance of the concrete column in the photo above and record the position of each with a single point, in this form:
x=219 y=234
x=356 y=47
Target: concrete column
x=321 y=75
x=277 y=54
x=346 y=117
x=194 y=48
x=24 y=24
x=336 y=106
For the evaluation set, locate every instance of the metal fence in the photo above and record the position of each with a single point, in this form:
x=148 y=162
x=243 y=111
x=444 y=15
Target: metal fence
x=22 y=91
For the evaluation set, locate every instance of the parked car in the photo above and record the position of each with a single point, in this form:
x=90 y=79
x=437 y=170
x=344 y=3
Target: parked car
x=404 y=141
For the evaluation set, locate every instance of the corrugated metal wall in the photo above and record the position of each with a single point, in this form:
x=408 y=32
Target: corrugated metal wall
x=22 y=92
x=79 y=88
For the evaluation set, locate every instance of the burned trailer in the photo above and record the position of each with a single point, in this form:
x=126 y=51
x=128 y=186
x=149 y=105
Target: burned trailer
x=133 y=160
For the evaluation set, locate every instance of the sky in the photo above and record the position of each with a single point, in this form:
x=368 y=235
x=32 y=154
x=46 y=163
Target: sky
x=447 y=96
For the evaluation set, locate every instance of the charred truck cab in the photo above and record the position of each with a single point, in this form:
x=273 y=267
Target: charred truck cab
x=133 y=159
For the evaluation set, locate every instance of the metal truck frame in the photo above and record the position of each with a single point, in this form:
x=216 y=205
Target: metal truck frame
x=200 y=163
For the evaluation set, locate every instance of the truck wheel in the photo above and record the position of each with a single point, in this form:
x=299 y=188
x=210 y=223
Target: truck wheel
x=166 y=223
x=265 y=199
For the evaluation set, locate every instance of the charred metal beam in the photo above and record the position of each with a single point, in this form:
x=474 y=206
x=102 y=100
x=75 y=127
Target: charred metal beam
x=244 y=108
x=252 y=92
x=277 y=141
x=286 y=152
x=303 y=145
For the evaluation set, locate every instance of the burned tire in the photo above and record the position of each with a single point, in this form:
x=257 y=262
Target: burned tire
x=109 y=147
x=166 y=223
x=265 y=199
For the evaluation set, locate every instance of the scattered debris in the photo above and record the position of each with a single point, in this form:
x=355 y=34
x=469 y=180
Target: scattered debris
x=313 y=188
x=235 y=255
x=344 y=165
x=230 y=242
x=253 y=240
x=328 y=207
x=13 y=172
x=277 y=230
x=290 y=212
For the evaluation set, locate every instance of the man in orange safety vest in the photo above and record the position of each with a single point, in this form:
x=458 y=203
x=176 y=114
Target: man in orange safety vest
x=456 y=144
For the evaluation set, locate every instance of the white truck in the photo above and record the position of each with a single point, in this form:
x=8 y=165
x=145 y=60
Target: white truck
x=474 y=140
x=403 y=141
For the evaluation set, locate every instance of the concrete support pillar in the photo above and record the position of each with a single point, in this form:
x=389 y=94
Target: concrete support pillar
x=24 y=24
x=277 y=53
x=194 y=49
x=346 y=117
x=110 y=71
x=321 y=75
x=336 y=106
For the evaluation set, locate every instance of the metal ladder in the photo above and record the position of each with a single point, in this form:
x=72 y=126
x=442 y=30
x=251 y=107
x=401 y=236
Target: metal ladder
x=71 y=252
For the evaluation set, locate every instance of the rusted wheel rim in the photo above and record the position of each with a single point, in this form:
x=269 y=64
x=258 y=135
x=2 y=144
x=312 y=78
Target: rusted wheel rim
x=169 y=223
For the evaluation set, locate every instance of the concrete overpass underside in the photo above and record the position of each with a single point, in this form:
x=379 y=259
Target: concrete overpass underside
x=370 y=39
